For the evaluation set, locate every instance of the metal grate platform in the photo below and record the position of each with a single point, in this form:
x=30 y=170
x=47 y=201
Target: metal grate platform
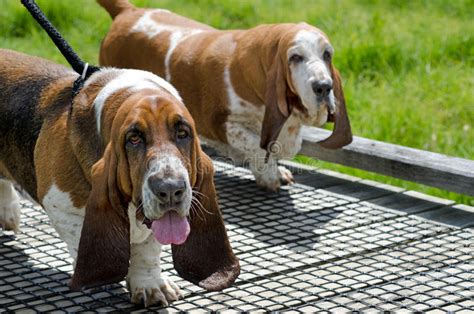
x=326 y=243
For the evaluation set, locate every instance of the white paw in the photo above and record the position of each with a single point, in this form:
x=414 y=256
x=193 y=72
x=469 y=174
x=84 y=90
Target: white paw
x=10 y=216
x=150 y=292
x=273 y=178
x=285 y=175
x=268 y=181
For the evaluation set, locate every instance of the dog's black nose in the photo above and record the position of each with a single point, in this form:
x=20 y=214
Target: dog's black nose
x=322 y=88
x=168 y=191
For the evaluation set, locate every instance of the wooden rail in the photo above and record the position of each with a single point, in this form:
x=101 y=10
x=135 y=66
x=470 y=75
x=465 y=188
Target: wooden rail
x=441 y=171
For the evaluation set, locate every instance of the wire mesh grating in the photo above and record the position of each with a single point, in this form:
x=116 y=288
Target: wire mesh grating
x=303 y=249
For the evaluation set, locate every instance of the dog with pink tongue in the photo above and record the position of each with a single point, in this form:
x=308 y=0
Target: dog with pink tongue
x=179 y=207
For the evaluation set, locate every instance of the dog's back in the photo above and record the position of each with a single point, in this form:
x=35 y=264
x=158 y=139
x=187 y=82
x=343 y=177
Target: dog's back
x=143 y=24
x=22 y=80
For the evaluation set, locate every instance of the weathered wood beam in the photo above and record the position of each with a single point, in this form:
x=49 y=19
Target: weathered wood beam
x=437 y=170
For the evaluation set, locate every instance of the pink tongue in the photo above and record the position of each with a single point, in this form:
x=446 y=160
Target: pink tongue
x=171 y=228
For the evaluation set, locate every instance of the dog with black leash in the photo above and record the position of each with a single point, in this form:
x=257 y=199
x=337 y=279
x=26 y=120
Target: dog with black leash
x=113 y=157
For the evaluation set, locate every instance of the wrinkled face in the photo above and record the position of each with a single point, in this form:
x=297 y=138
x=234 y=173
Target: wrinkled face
x=309 y=60
x=158 y=141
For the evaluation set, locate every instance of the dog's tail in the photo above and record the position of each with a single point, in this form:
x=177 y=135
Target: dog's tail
x=115 y=7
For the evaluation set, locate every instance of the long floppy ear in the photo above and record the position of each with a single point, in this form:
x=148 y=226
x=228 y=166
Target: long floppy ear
x=206 y=257
x=342 y=134
x=104 y=248
x=277 y=108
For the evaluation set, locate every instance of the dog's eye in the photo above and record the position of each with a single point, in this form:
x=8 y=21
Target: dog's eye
x=182 y=134
x=327 y=56
x=135 y=139
x=295 y=58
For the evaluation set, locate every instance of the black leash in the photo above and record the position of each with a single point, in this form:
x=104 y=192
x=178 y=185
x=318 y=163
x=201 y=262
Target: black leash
x=82 y=68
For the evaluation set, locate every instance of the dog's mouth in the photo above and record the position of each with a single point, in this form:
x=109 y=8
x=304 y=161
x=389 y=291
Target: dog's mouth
x=170 y=228
x=325 y=103
x=318 y=112
x=147 y=222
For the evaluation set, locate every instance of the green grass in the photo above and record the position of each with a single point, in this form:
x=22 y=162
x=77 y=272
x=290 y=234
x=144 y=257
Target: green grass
x=407 y=65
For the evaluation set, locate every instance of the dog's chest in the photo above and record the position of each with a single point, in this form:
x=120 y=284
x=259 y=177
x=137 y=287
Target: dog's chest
x=290 y=137
x=288 y=143
x=138 y=231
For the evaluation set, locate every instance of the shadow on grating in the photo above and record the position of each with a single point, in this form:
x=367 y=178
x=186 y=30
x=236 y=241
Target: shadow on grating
x=303 y=249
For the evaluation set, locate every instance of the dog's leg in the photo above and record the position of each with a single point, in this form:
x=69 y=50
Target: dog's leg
x=285 y=175
x=144 y=279
x=9 y=207
x=68 y=224
x=65 y=218
x=267 y=174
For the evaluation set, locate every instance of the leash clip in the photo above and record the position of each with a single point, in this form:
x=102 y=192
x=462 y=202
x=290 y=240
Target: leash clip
x=84 y=72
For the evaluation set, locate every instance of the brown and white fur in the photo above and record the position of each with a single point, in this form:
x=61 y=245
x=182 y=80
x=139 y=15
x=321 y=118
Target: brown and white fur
x=96 y=163
x=249 y=90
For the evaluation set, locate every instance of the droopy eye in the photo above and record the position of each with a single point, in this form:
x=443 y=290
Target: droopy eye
x=327 y=56
x=182 y=134
x=295 y=58
x=134 y=139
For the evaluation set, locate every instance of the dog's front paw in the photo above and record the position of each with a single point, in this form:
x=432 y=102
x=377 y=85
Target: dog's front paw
x=285 y=175
x=151 y=292
x=271 y=181
x=10 y=216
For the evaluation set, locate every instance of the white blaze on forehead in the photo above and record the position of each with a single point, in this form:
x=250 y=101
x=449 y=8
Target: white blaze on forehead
x=312 y=41
x=167 y=164
x=151 y=28
x=133 y=80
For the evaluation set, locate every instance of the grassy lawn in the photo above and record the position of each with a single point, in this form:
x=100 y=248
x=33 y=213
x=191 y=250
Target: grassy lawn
x=407 y=65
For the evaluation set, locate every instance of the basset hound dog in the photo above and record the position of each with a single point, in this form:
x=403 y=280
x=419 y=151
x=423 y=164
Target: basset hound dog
x=118 y=169
x=249 y=91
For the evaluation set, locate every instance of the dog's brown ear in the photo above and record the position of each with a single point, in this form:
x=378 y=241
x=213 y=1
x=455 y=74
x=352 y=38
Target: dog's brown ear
x=104 y=248
x=206 y=257
x=342 y=134
x=277 y=106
